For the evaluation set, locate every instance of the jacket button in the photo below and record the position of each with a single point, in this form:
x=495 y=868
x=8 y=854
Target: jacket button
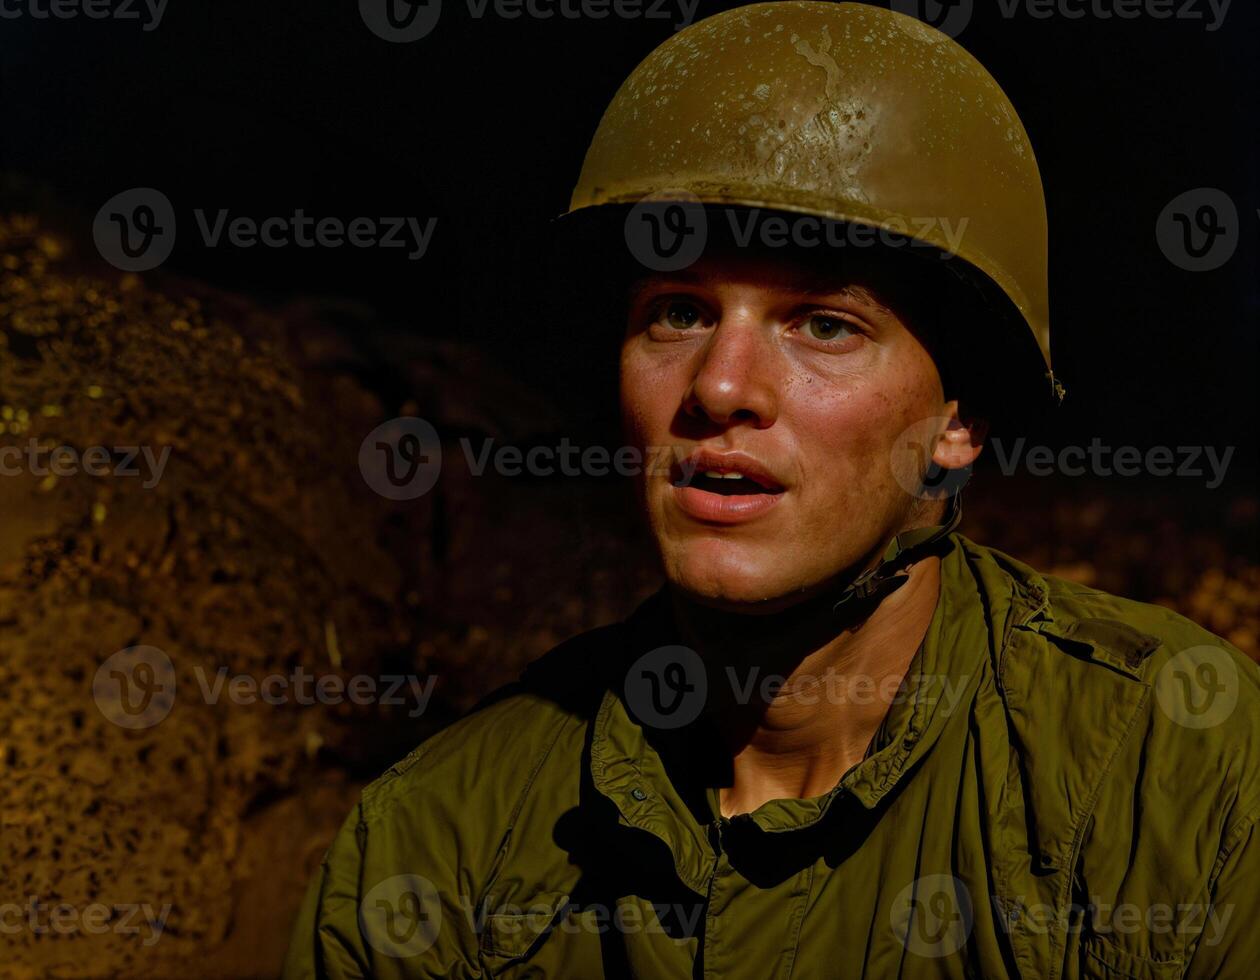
x=638 y=794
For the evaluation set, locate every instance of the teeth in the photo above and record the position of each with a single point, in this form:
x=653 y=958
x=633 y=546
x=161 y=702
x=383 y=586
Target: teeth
x=716 y=475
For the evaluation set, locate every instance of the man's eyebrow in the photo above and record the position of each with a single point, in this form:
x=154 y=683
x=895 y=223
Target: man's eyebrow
x=834 y=285
x=821 y=282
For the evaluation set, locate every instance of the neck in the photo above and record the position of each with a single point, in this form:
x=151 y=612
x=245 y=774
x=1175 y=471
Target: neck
x=796 y=696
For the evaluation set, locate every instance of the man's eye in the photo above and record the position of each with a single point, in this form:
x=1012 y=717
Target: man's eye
x=820 y=327
x=679 y=315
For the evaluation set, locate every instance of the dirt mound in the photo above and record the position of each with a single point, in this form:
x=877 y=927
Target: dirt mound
x=160 y=821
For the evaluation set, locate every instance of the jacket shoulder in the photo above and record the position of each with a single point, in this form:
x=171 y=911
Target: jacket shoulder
x=437 y=826
x=1160 y=644
x=490 y=758
x=1201 y=720
x=1138 y=632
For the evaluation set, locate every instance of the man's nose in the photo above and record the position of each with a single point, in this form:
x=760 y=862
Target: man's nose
x=735 y=381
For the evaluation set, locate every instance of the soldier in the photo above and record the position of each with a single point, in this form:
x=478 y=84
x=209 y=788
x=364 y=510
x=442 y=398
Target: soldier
x=843 y=740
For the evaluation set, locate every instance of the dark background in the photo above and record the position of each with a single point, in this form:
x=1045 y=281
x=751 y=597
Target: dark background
x=264 y=108
x=264 y=535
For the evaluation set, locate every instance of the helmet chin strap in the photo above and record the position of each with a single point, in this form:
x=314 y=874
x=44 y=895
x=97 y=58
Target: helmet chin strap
x=904 y=549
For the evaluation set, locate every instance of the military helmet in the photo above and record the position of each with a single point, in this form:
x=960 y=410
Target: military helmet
x=851 y=113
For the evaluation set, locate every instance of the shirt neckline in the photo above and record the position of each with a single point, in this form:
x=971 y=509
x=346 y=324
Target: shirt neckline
x=630 y=771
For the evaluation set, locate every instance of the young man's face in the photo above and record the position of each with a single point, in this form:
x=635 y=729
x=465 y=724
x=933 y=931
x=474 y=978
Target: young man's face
x=750 y=365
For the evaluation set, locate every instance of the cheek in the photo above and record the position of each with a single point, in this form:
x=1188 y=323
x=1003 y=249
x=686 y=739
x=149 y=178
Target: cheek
x=845 y=432
x=651 y=391
x=838 y=434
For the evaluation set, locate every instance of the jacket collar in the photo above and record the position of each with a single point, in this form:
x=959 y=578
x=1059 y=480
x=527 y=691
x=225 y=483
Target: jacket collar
x=1072 y=689
x=626 y=768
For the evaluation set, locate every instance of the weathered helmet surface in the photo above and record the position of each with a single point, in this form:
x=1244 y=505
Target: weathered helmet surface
x=844 y=111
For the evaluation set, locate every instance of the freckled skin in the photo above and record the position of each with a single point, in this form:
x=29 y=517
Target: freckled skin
x=823 y=415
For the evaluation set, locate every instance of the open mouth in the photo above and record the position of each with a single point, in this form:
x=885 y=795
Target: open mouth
x=727 y=483
x=725 y=488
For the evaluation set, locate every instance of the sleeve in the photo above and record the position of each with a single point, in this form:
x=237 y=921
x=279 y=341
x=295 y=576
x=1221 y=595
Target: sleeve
x=326 y=940
x=391 y=900
x=1229 y=944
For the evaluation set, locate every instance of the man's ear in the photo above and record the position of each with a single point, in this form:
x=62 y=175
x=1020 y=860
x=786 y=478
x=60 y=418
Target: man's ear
x=960 y=444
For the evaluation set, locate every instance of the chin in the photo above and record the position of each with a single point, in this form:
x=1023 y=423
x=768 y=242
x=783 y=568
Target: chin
x=714 y=576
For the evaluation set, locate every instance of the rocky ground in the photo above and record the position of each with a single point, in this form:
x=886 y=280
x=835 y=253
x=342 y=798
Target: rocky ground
x=262 y=551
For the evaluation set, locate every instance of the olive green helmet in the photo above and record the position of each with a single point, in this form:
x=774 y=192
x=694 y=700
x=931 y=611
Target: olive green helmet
x=847 y=112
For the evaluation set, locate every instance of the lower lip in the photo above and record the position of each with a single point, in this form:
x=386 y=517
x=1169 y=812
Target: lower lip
x=718 y=509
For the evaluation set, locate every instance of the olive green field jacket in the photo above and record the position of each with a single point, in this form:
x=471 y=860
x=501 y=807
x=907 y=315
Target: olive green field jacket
x=1068 y=789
